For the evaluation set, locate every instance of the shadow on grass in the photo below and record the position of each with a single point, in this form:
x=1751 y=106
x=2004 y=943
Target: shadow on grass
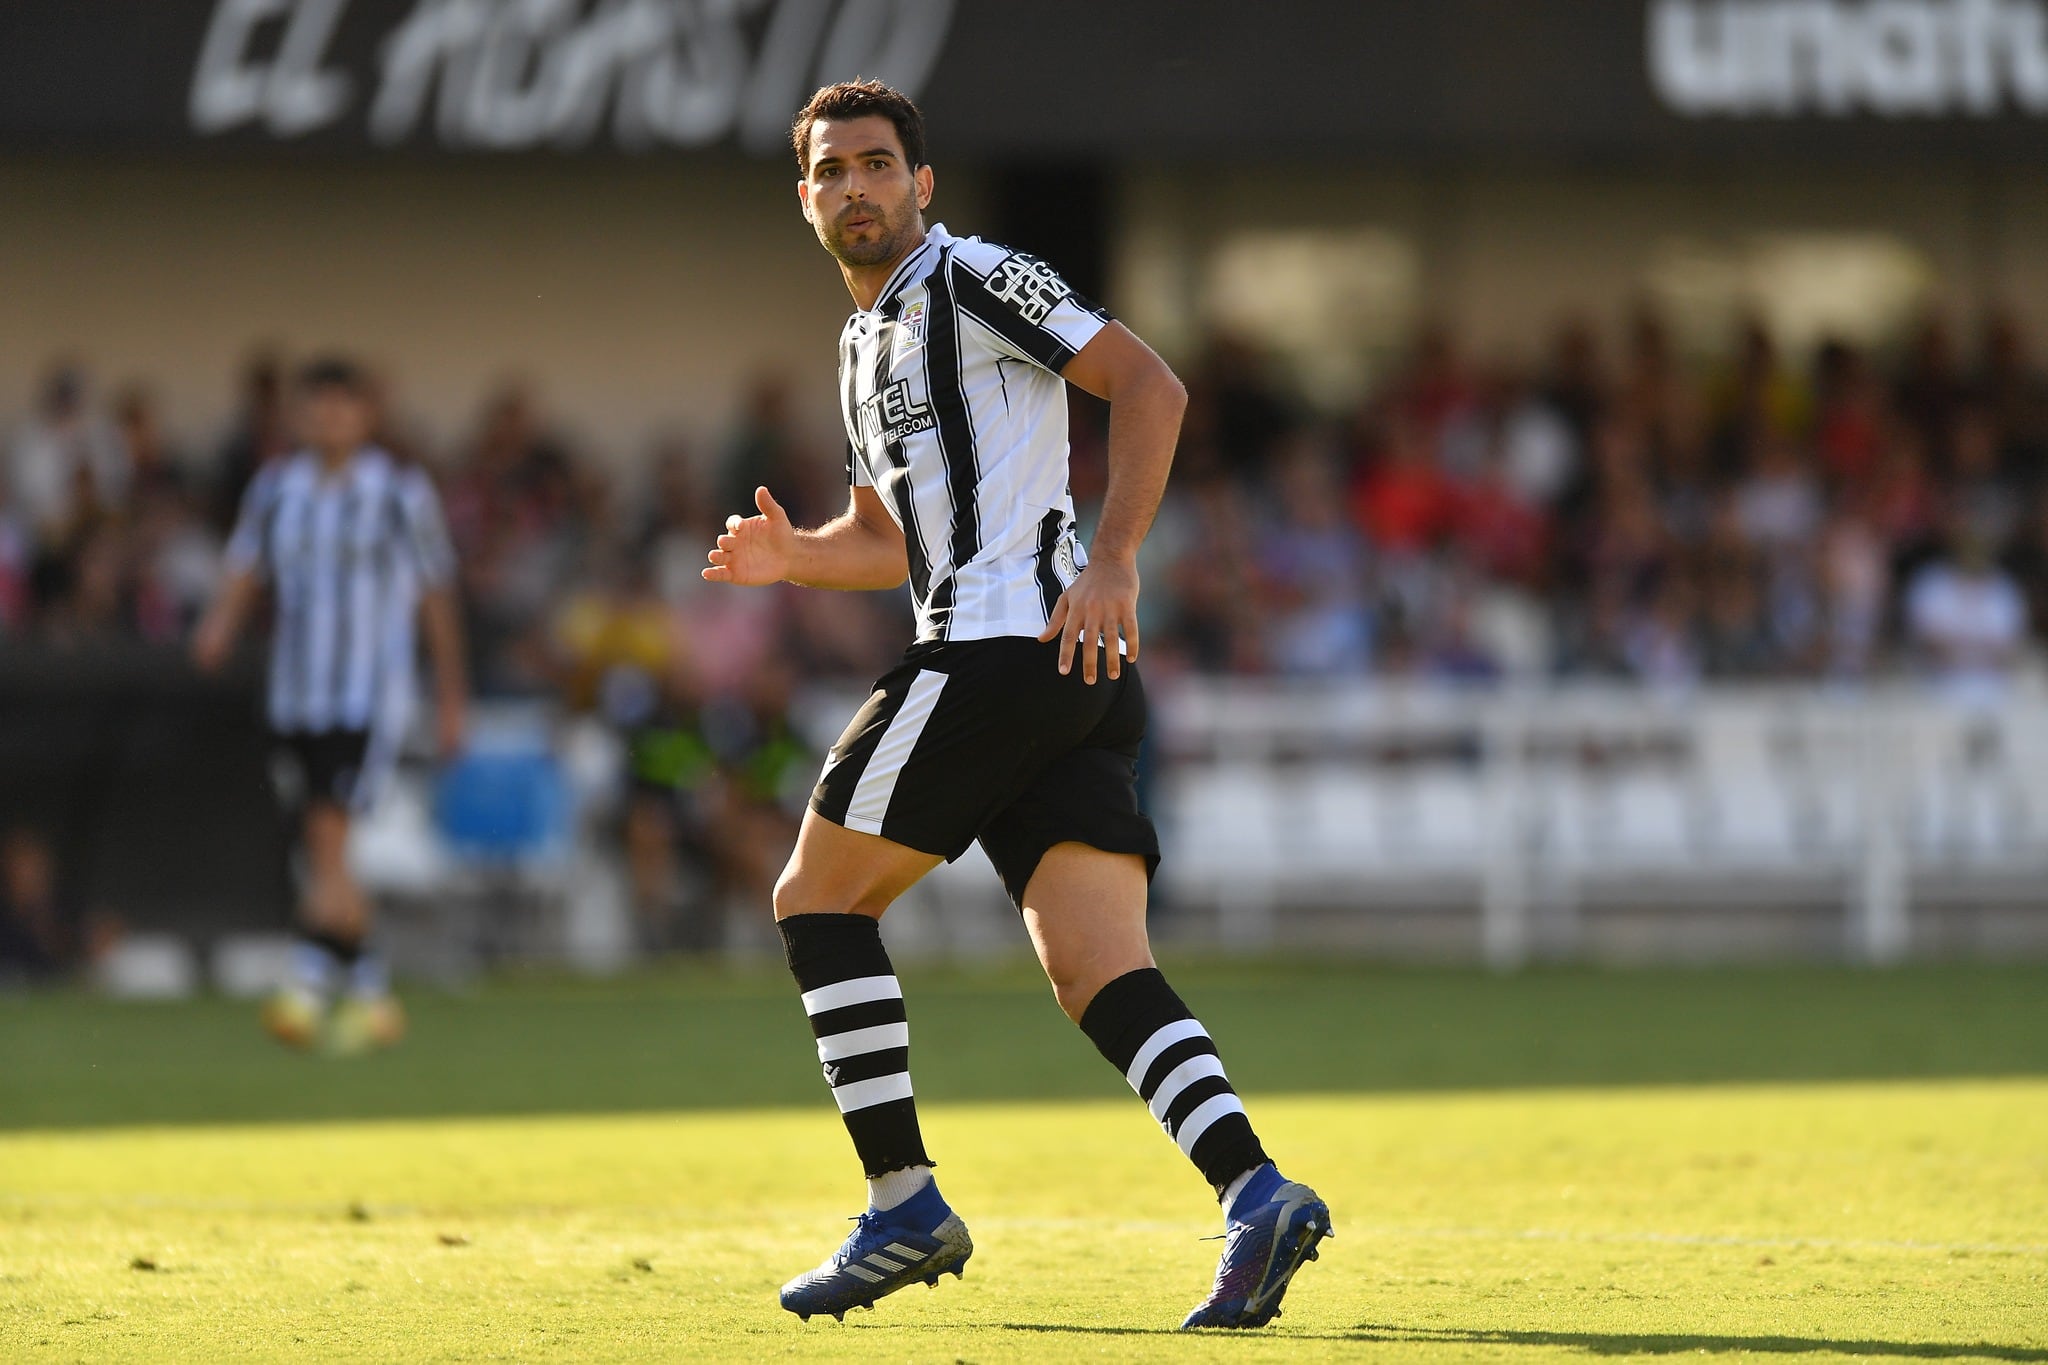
x=1611 y=1343
x=1675 y=1343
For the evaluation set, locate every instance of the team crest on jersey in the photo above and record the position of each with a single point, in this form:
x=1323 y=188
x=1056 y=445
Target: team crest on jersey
x=909 y=331
x=1030 y=286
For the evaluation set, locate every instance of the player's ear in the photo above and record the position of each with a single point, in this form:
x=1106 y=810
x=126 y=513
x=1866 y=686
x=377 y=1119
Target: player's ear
x=803 y=199
x=923 y=176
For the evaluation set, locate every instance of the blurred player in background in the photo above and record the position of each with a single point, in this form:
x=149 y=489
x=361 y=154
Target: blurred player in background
x=352 y=544
x=1014 y=719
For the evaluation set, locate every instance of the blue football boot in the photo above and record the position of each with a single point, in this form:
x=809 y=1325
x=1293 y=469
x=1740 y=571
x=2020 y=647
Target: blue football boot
x=919 y=1239
x=1274 y=1227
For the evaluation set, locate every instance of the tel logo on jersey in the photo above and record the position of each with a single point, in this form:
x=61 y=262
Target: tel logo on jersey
x=891 y=414
x=1029 y=285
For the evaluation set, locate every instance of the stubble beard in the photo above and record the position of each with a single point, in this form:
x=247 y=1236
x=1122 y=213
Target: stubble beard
x=887 y=244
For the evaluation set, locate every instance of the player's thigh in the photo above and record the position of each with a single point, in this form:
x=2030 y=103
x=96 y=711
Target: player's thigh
x=1085 y=910
x=834 y=870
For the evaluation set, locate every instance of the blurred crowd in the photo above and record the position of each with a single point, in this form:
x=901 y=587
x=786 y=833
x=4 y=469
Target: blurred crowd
x=1614 y=511
x=1619 y=512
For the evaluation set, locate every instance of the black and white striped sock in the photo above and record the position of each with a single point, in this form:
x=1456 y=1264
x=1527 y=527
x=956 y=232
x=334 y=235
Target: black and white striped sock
x=1141 y=1026
x=856 y=1012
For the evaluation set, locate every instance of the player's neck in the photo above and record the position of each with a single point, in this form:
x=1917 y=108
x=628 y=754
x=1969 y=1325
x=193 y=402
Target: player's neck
x=335 y=459
x=866 y=282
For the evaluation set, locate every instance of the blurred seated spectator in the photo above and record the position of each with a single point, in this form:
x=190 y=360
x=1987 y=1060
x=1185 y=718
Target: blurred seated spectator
x=766 y=774
x=718 y=787
x=1312 y=565
x=1778 y=503
x=1735 y=636
x=1902 y=506
x=516 y=513
x=1455 y=651
x=615 y=628
x=65 y=463
x=2026 y=560
x=765 y=448
x=38 y=935
x=1576 y=385
x=1758 y=399
x=1967 y=620
x=257 y=434
x=1661 y=643
x=1434 y=388
x=1401 y=500
x=1497 y=528
x=1848 y=433
x=1234 y=405
x=2016 y=394
x=1509 y=427
x=1855 y=582
x=1980 y=493
x=1930 y=386
x=154 y=466
x=1216 y=618
x=17 y=560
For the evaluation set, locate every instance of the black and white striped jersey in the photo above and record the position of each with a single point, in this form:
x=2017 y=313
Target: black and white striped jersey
x=347 y=556
x=956 y=414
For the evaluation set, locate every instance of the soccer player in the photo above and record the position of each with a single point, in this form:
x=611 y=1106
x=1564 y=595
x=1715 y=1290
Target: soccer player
x=1014 y=718
x=353 y=545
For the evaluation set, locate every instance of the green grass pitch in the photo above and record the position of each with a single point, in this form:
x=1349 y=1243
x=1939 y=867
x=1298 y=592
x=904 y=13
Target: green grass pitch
x=1560 y=1166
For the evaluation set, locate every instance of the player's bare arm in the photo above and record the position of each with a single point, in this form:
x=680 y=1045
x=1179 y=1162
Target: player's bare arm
x=1146 y=401
x=214 y=638
x=441 y=622
x=859 y=549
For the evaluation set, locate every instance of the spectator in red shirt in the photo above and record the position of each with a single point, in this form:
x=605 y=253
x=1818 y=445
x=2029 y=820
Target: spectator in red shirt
x=1403 y=502
x=1500 y=532
x=1848 y=433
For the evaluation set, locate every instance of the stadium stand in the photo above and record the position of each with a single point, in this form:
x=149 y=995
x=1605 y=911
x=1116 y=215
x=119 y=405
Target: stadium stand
x=1622 y=627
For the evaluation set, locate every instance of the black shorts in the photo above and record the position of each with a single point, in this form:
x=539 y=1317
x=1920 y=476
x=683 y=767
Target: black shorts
x=328 y=764
x=984 y=739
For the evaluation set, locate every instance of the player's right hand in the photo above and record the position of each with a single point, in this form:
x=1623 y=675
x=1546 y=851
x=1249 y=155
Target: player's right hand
x=754 y=550
x=210 y=646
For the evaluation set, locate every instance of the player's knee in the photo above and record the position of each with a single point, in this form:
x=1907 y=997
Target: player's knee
x=1073 y=986
x=1073 y=997
x=796 y=894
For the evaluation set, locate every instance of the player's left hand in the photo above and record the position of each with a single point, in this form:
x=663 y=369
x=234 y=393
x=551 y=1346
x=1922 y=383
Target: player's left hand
x=1100 y=609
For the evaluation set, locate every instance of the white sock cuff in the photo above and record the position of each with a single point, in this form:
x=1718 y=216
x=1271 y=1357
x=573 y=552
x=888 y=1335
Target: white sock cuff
x=887 y=1191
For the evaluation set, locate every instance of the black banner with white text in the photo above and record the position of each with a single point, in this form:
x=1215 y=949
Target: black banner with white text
x=1870 y=79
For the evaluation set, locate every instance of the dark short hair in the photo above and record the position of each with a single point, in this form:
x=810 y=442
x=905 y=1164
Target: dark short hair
x=334 y=372
x=859 y=99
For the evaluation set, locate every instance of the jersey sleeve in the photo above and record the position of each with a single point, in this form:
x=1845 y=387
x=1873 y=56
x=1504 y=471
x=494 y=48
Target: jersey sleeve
x=248 y=547
x=857 y=473
x=423 y=531
x=1031 y=311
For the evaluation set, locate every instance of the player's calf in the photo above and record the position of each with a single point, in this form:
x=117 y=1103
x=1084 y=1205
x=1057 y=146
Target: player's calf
x=855 y=1005
x=1273 y=1225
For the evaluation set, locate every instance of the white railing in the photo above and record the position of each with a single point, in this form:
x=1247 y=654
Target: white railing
x=1271 y=797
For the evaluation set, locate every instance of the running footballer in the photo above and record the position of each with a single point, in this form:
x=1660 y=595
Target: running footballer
x=1015 y=717
x=351 y=544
